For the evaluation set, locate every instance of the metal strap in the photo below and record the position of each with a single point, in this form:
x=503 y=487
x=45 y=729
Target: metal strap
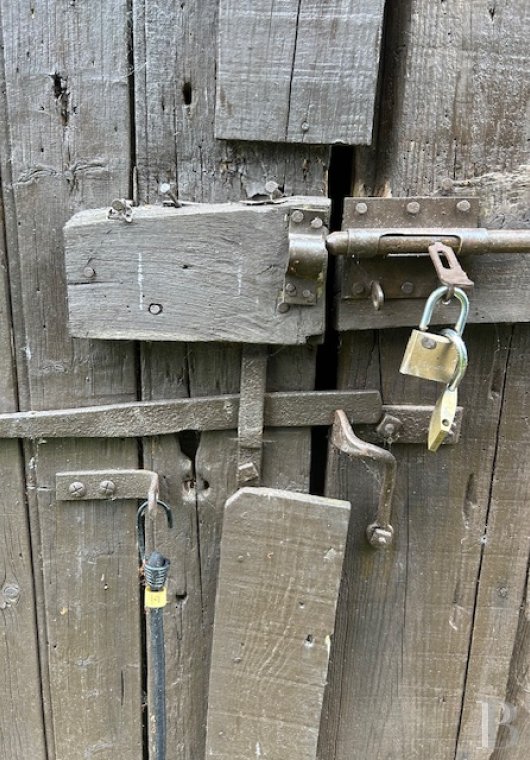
x=251 y=414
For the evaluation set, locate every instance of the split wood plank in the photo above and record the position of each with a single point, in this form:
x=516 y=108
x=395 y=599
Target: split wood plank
x=405 y=615
x=500 y=608
x=198 y=273
x=280 y=567
x=175 y=70
x=302 y=71
x=67 y=147
x=21 y=700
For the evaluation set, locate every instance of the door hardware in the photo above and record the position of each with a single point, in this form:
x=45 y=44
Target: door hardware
x=445 y=409
x=90 y=485
x=380 y=533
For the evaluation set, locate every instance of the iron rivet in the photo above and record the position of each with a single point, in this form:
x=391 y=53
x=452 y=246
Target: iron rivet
x=297 y=217
x=307 y=293
x=290 y=288
x=271 y=187
x=283 y=308
x=89 y=273
x=77 y=489
x=358 y=288
x=447 y=184
x=361 y=208
x=407 y=288
x=316 y=223
x=390 y=429
x=107 y=488
x=413 y=207
x=463 y=206
x=427 y=342
x=305 y=126
x=155 y=308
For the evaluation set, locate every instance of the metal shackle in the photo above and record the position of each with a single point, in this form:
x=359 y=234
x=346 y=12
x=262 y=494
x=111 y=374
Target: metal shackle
x=436 y=296
x=461 y=350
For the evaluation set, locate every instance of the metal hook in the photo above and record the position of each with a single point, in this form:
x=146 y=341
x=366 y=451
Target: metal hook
x=380 y=533
x=140 y=522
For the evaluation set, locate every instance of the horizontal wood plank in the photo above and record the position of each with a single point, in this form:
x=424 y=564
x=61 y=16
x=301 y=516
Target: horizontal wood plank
x=197 y=273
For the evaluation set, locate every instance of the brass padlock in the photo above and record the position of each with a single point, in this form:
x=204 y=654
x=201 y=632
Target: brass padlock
x=444 y=412
x=429 y=355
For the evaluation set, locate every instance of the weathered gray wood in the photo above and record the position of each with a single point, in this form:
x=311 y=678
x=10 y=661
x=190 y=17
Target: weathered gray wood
x=175 y=102
x=281 y=560
x=500 y=607
x=21 y=704
x=405 y=615
x=196 y=273
x=299 y=409
x=298 y=71
x=67 y=147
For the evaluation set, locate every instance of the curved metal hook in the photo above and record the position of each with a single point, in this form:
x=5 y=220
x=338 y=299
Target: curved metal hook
x=380 y=533
x=140 y=522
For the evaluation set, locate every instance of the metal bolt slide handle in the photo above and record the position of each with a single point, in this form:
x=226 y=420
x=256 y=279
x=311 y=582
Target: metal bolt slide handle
x=380 y=533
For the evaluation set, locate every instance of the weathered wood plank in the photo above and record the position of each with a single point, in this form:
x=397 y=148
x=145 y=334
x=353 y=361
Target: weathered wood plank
x=281 y=561
x=197 y=273
x=21 y=702
x=503 y=574
x=298 y=71
x=405 y=615
x=67 y=147
x=175 y=105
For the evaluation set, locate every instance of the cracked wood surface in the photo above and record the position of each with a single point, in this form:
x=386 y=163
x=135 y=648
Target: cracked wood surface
x=298 y=71
x=66 y=147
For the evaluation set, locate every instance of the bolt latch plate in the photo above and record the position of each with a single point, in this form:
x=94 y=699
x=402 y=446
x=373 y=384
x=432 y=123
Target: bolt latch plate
x=308 y=257
x=105 y=484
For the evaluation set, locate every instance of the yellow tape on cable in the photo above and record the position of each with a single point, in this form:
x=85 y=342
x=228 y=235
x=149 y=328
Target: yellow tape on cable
x=155 y=599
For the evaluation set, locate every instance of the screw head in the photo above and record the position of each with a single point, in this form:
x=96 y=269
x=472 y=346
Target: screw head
x=11 y=592
x=361 y=208
x=316 y=223
x=107 y=488
x=77 y=489
x=428 y=343
x=290 y=288
x=283 y=308
x=271 y=187
x=447 y=184
x=358 y=288
x=413 y=207
x=305 y=126
x=297 y=216
x=155 y=308
x=307 y=293
x=407 y=288
x=463 y=206
x=89 y=272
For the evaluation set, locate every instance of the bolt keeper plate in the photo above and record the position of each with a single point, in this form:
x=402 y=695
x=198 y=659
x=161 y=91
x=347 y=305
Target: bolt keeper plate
x=104 y=484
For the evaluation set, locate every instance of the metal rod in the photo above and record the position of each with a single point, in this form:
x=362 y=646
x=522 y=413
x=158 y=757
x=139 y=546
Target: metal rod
x=367 y=243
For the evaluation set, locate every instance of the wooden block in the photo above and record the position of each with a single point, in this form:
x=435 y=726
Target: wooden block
x=281 y=562
x=197 y=273
x=299 y=72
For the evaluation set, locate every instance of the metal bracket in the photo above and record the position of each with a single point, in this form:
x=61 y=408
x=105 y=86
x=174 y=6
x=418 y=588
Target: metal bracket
x=251 y=414
x=107 y=484
x=308 y=258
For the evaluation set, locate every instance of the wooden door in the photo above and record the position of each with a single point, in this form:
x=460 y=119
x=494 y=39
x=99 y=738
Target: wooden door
x=430 y=657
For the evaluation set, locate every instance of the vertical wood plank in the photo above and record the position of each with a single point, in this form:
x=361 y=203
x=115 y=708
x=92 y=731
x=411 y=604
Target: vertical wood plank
x=21 y=708
x=174 y=104
x=453 y=118
x=280 y=567
x=67 y=147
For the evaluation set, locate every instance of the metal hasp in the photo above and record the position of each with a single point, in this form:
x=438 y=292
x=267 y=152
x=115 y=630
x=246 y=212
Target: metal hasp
x=380 y=533
x=87 y=485
x=308 y=258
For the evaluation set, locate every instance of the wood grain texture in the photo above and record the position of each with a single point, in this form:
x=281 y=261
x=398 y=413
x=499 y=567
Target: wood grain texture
x=300 y=71
x=453 y=107
x=405 y=615
x=280 y=567
x=66 y=146
x=498 y=626
x=198 y=273
x=175 y=60
x=21 y=708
